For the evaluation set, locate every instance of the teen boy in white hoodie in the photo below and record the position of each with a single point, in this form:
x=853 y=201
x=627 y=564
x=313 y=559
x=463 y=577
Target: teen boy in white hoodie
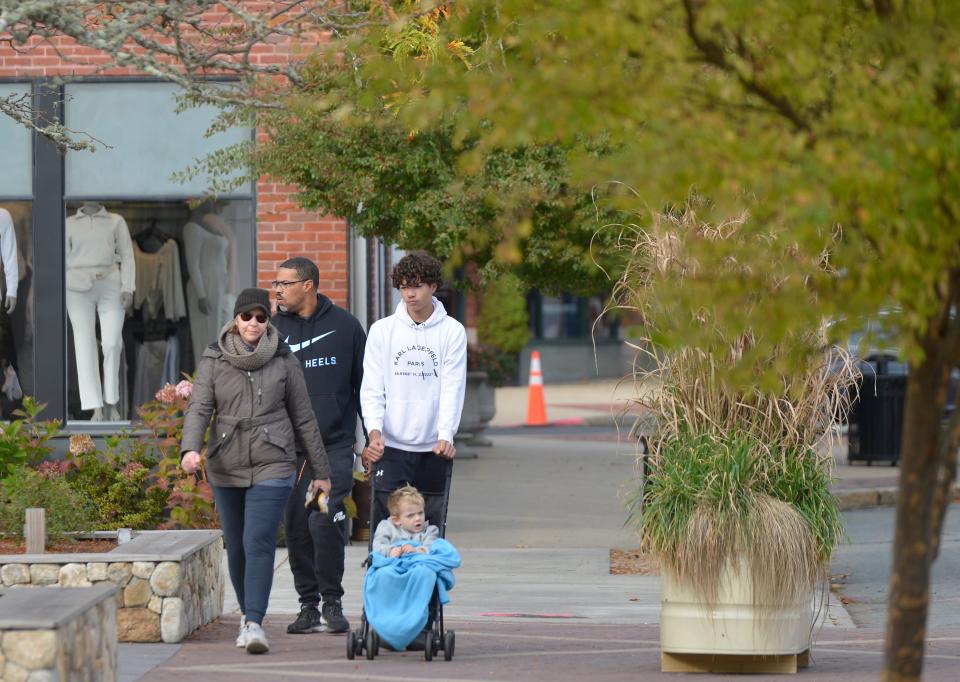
x=414 y=376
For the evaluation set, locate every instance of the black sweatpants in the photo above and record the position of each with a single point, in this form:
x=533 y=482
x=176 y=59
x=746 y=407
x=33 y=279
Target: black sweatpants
x=316 y=541
x=425 y=471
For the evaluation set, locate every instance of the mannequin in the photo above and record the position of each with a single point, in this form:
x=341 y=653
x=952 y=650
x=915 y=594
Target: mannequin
x=209 y=248
x=8 y=255
x=101 y=276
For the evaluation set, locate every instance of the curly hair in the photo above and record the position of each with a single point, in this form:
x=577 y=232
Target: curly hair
x=415 y=269
x=403 y=494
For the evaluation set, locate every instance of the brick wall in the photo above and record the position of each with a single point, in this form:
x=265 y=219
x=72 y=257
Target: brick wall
x=283 y=229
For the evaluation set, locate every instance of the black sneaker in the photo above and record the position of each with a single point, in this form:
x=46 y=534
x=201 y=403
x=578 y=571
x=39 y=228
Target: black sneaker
x=308 y=621
x=333 y=615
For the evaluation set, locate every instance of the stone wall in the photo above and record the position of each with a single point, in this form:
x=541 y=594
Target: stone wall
x=72 y=635
x=160 y=599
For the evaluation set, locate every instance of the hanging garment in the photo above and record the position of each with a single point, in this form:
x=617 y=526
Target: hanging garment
x=206 y=255
x=159 y=283
x=148 y=374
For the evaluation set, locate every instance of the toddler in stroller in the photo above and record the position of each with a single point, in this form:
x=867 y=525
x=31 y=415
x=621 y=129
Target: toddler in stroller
x=410 y=572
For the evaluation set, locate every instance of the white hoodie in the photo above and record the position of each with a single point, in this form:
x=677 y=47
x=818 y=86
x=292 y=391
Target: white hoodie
x=414 y=377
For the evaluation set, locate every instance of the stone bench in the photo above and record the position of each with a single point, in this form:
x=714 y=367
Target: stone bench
x=58 y=634
x=170 y=581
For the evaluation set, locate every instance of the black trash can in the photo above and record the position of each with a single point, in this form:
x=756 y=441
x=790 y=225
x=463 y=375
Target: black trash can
x=876 y=418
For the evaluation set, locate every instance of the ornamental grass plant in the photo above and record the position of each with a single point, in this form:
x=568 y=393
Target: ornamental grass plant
x=739 y=471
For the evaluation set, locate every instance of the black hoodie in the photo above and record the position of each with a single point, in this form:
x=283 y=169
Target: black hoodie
x=329 y=344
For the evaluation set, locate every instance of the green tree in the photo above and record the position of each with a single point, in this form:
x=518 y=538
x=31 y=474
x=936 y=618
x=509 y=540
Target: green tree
x=326 y=132
x=503 y=322
x=835 y=122
x=345 y=149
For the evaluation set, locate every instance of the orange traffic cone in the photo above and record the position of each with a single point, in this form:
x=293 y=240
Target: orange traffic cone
x=536 y=407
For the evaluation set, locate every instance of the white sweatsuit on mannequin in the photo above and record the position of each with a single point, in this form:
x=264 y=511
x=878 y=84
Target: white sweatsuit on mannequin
x=8 y=252
x=99 y=245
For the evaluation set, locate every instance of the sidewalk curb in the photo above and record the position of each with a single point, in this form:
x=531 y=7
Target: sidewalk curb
x=621 y=421
x=865 y=498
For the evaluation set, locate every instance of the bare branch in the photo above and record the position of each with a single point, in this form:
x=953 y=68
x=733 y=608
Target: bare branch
x=263 y=46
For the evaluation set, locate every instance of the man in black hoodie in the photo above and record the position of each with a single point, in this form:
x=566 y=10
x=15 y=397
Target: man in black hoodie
x=329 y=342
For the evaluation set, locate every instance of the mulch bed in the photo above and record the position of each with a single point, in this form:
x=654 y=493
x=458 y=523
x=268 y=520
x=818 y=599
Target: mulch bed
x=632 y=562
x=64 y=546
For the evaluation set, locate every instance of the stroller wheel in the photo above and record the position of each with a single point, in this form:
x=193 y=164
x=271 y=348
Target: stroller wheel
x=428 y=643
x=449 y=640
x=371 y=650
x=351 y=645
x=376 y=643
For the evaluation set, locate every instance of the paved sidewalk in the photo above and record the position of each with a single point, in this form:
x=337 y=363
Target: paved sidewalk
x=517 y=652
x=534 y=517
x=605 y=402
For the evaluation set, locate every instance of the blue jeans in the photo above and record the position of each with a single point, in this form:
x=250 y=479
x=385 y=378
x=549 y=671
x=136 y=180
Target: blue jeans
x=249 y=518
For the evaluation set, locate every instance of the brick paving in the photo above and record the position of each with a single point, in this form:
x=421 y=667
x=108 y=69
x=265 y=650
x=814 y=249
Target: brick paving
x=515 y=652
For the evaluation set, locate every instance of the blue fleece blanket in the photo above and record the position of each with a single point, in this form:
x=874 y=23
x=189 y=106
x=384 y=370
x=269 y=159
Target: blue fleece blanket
x=397 y=590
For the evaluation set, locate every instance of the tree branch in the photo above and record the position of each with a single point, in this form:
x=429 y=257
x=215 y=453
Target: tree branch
x=186 y=42
x=714 y=54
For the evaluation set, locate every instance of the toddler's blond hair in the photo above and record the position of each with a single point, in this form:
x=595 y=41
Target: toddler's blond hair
x=405 y=493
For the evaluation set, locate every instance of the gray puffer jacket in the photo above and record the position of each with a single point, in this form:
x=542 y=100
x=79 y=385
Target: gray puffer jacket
x=259 y=418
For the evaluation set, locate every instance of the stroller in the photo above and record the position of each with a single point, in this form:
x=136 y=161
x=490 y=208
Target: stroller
x=365 y=640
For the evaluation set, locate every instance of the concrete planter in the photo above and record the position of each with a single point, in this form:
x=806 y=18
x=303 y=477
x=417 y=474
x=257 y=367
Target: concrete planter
x=734 y=634
x=170 y=582
x=479 y=407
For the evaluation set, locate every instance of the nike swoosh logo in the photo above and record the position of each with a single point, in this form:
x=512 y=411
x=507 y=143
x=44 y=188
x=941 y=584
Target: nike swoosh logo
x=303 y=344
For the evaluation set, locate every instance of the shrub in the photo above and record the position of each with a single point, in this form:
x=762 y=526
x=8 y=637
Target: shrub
x=500 y=366
x=738 y=469
x=189 y=498
x=67 y=509
x=24 y=440
x=119 y=482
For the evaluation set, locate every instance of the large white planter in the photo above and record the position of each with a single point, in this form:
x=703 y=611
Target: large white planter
x=734 y=628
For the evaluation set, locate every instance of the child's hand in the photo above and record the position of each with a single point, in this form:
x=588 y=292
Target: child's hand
x=395 y=552
x=421 y=550
x=407 y=549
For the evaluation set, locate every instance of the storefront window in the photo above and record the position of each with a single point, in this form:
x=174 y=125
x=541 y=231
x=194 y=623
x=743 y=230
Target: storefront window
x=16 y=305
x=151 y=274
x=147 y=140
x=149 y=285
x=16 y=169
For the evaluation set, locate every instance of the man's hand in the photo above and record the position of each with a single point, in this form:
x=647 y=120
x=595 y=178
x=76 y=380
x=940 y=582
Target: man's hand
x=374 y=450
x=190 y=462
x=320 y=484
x=444 y=449
x=126 y=300
x=10 y=304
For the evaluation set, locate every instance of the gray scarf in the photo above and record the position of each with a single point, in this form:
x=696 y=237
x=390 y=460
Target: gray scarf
x=235 y=351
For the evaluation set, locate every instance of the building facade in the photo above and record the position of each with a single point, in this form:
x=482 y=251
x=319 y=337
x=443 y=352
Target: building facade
x=120 y=273
x=82 y=232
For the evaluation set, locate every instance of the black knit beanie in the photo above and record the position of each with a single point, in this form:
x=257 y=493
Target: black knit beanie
x=250 y=299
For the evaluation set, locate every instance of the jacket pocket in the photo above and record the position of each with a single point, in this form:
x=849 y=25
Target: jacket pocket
x=276 y=444
x=220 y=437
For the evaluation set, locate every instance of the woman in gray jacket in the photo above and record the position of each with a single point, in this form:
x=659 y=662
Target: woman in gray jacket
x=253 y=387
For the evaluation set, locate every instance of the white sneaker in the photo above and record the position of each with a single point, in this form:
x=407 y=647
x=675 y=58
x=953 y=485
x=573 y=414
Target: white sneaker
x=242 y=636
x=256 y=639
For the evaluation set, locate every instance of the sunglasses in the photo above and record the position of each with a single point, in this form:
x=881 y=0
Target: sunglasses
x=261 y=318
